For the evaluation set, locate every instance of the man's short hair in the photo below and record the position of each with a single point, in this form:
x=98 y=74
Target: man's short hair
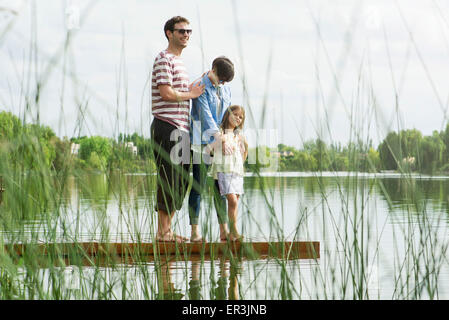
x=224 y=68
x=170 y=24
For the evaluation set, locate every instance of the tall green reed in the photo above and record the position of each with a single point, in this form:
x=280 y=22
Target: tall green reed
x=36 y=210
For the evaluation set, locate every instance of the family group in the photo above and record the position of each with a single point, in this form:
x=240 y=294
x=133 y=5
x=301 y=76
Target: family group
x=195 y=129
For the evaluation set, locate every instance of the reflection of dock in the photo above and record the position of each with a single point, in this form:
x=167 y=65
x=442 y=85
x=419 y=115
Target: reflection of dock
x=189 y=251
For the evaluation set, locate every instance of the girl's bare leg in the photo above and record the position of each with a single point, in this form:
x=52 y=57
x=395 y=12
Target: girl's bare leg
x=233 y=201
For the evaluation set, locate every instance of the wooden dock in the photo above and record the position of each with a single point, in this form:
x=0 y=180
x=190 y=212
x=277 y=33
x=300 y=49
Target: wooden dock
x=184 y=251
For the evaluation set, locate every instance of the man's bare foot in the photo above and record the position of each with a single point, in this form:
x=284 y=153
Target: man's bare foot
x=170 y=237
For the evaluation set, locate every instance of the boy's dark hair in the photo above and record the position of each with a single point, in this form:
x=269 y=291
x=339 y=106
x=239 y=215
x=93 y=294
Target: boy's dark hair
x=224 y=68
x=170 y=24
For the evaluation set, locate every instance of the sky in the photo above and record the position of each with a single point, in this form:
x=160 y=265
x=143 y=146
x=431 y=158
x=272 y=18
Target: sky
x=339 y=70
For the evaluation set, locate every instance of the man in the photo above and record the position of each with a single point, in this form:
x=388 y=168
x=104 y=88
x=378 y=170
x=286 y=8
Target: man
x=171 y=94
x=206 y=115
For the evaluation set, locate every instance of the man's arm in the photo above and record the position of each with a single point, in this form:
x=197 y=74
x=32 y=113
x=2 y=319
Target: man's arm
x=170 y=94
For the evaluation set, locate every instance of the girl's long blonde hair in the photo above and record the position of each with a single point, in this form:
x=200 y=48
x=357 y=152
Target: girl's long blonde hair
x=227 y=115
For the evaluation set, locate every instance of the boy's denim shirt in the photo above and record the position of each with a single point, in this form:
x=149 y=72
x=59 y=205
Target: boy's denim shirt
x=205 y=120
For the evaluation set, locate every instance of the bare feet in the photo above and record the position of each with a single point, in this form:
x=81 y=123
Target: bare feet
x=196 y=237
x=170 y=237
x=231 y=237
x=234 y=236
x=224 y=236
x=224 y=232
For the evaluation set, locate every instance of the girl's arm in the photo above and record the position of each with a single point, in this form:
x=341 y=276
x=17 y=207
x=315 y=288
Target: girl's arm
x=243 y=147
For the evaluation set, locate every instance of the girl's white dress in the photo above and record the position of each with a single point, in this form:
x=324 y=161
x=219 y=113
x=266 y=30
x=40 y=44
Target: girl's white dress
x=228 y=169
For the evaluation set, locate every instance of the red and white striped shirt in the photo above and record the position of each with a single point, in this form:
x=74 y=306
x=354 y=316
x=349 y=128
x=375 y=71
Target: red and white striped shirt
x=169 y=69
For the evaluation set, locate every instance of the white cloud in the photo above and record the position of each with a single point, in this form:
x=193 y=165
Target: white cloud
x=285 y=29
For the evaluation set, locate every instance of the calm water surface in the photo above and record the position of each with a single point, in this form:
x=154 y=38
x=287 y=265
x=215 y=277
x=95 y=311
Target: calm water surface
x=382 y=236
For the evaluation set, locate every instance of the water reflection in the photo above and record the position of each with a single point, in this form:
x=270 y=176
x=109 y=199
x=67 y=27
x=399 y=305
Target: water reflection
x=335 y=210
x=115 y=200
x=227 y=285
x=165 y=285
x=223 y=286
x=195 y=282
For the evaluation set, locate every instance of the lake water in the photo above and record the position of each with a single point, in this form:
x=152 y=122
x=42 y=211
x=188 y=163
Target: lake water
x=381 y=236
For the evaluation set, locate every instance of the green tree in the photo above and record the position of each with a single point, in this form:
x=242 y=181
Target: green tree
x=339 y=162
x=303 y=161
x=64 y=158
x=445 y=138
x=430 y=157
x=390 y=151
x=410 y=142
x=373 y=159
x=321 y=154
x=31 y=145
x=10 y=126
x=396 y=148
x=42 y=140
x=102 y=147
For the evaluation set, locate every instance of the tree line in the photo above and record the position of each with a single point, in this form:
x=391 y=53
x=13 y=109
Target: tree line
x=35 y=146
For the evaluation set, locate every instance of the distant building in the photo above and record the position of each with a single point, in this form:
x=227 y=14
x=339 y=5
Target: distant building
x=284 y=154
x=130 y=145
x=74 y=148
x=409 y=160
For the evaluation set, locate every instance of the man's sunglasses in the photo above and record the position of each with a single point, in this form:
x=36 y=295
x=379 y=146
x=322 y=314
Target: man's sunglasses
x=183 y=31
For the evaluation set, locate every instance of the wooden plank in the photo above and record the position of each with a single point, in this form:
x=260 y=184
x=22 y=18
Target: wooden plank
x=212 y=250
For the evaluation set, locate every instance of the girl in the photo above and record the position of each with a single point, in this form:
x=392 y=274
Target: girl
x=228 y=168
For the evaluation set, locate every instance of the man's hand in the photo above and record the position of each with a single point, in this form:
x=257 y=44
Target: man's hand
x=196 y=89
x=227 y=149
x=170 y=94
